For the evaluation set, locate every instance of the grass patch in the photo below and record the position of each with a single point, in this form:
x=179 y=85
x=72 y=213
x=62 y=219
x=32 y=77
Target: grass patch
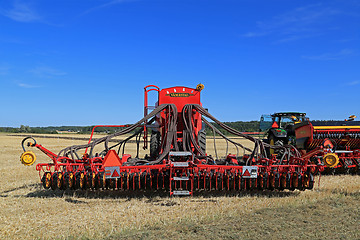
x=335 y=217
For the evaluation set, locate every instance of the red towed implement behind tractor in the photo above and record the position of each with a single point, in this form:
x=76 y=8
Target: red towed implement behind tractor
x=340 y=139
x=177 y=161
x=336 y=144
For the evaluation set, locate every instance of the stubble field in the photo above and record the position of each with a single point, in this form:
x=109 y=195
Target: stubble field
x=27 y=211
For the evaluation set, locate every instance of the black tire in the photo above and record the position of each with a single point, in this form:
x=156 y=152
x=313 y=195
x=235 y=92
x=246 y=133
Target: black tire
x=54 y=179
x=80 y=180
x=60 y=181
x=101 y=180
x=274 y=141
x=69 y=180
x=271 y=141
x=88 y=180
x=46 y=180
x=155 y=143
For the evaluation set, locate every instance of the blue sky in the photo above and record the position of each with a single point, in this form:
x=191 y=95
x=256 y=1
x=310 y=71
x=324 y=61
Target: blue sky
x=86 y=62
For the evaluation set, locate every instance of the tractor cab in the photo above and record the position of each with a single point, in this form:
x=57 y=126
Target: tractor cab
x=281 y=120
x=279 y=127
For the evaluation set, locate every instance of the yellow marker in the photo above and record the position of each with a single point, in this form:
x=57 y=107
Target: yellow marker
x=200 y=87
x=28 y=158
x=331 y=160
x=335 y=127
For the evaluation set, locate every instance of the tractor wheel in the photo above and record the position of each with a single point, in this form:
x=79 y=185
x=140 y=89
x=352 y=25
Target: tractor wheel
x=155 y=143
x=274 y=141
x=271 y=140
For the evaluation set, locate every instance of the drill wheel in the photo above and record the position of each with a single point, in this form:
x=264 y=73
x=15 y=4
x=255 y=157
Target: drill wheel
x=101 y=180
x=54 y=180
x=46 y=180
x=80 y=180
x=272 y=181
x=88 y=180
x=260 y=182
x=148 y=181
x=237 y=182
x=294 y=181
x=220 y=181
x=68 y=180
x=300 y=179
x=142 y=181
x=94 y=181
x=59 y=182
x=311 y=181
x=288 y=181
x=277 y=181
x=266 y=180
x=282 y=181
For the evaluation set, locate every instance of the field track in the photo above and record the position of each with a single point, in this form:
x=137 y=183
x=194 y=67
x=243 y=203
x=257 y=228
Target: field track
x=27 y=211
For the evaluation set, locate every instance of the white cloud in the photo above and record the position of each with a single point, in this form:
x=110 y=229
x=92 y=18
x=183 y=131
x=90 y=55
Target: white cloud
x=21 y=12
x=302 y=22
x=110 y=3
x=353 y=83
x=331 y=56
x=4 y=69
x=25 y=85
x=47 y=72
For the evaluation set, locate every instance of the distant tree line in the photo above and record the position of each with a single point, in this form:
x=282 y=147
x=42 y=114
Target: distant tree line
x=252 y=126
x=60 y=129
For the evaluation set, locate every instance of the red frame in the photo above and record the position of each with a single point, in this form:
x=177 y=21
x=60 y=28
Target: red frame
x=178 y=96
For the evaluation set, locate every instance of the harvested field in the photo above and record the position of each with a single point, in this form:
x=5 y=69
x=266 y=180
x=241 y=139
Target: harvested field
x=27 y=211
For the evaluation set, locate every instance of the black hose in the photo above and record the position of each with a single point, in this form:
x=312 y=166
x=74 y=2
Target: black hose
x=23 y=141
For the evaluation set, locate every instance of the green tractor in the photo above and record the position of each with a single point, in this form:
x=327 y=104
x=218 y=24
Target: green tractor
x=279 y=127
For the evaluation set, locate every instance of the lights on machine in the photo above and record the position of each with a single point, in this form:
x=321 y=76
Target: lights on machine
x=200 y=87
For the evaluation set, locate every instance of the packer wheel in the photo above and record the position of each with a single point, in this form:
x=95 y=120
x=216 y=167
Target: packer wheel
x=68 y=180
x=80 y=180
x=46 y=180
x=54 y=179
x=59 y=181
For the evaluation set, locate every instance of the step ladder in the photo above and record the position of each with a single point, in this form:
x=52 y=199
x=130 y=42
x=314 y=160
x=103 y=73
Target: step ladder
x=181 y=178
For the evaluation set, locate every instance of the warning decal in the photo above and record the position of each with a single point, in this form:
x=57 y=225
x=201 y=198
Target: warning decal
x=246 y=173
x=249 y=172
x=115 y=174
x=112 y=172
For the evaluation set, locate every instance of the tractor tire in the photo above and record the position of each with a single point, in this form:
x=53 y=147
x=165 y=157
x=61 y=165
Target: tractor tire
x=270 y=140
x=274 y=141
x=202 y=141
x=155 y=143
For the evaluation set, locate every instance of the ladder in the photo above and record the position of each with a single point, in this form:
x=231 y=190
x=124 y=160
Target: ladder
x=181 y=176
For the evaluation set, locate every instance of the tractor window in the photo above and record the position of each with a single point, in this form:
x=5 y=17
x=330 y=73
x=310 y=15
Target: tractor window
x=285 y=121
x=265 y=122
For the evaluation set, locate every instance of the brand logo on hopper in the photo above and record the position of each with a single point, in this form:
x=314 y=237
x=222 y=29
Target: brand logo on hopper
x=179 y=95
